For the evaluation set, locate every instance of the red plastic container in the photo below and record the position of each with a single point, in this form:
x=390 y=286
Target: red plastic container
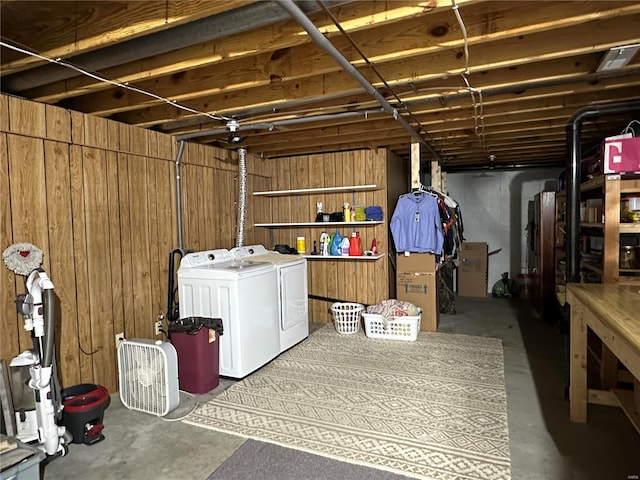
x=198 y=360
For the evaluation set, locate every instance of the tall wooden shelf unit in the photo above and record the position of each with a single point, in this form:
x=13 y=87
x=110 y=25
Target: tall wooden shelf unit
x=604 y=368
x=544 y=254
x=611 y=188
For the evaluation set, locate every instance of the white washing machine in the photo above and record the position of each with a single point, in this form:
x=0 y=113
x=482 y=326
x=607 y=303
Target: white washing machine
x=293 y=301
x=243 y=293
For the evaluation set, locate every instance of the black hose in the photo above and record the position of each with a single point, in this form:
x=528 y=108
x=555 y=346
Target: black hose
x=48 y=299
x=332 y=300
x=172 y=311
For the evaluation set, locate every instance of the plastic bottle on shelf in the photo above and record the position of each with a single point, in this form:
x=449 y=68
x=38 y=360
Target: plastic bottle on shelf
x=352 y=215
x=359 y=244
x=324 y=244
x=344 y=251
x=354 y=245
x=347 y=212
x=336 y=243
x=374 y=247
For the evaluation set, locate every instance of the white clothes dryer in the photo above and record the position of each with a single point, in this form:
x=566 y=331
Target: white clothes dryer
x=293 y=300
x=243 y=293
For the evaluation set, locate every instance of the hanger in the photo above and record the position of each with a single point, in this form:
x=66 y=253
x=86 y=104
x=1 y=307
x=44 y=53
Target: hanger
x=422 y=189
x=418 y=191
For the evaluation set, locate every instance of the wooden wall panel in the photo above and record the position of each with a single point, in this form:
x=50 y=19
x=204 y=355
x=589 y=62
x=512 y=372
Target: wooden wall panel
x=106 y=194
x=28 y=200
x=83 y=310
x=62 y=262
x=141 y=307
x=58 y=124
x=114 y=207
x=153 y=225
x=9 y=323
x=4 y=113
x=27 y=118
x=126 y=240
x=98 y=271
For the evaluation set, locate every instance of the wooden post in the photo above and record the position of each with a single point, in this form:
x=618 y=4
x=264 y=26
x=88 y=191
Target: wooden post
x=436 y=175
x=415 y=165
x=578 y=363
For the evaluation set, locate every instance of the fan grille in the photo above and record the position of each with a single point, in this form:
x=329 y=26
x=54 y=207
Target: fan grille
x=145 y=377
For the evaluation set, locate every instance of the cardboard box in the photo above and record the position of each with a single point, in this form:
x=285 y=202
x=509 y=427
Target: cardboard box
x=416 y=283
x=416 y=262
x=472 y=269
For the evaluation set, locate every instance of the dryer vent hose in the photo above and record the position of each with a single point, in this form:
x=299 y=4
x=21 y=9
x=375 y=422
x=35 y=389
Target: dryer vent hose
x=242 y=196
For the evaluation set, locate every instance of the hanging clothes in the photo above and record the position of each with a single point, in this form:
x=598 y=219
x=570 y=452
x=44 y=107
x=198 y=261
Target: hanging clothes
x=416 y=225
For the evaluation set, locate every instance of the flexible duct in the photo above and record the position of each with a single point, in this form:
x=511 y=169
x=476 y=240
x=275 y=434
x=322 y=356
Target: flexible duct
x=573 y=128
x=242 y=196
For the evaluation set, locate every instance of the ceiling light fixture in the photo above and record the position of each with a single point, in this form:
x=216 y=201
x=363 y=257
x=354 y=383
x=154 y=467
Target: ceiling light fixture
x=232 y=127
x=618 y=57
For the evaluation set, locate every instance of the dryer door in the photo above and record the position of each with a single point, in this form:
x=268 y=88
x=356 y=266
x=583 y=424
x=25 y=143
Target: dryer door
x=293 y=295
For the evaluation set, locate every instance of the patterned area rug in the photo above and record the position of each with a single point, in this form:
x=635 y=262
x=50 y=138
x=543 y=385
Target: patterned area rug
x=431 y=409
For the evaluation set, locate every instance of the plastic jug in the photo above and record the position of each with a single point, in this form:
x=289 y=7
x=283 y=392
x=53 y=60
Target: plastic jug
x=336 y=243
x=344 y=250
x=354 y=245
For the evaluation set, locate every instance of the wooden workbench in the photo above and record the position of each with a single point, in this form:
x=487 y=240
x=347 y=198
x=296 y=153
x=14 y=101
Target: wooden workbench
x=612 y=312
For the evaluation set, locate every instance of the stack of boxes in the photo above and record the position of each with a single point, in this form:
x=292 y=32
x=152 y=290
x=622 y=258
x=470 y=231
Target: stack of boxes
x=416 y=283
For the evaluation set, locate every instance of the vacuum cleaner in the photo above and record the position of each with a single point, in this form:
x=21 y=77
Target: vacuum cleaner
x=38 y=424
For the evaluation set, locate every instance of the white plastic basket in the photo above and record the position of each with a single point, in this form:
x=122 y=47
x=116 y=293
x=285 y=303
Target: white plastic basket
x=346 y=317
x=392 y=328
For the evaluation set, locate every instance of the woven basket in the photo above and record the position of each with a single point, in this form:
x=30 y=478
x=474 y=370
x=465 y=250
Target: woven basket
x=346 y=317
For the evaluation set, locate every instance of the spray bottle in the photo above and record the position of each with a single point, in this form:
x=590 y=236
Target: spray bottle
x=324 y=244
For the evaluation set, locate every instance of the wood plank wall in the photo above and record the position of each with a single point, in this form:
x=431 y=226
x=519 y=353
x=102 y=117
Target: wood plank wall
x=354 y=281
x=98 y=198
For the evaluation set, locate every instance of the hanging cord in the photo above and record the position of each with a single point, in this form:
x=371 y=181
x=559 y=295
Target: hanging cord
x=193 y=409
x=370 y=64
x=478 y=106
x=100 y=78
x=629 y=128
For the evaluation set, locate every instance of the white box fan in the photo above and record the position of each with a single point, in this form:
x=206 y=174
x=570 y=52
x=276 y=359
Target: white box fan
x=148 y=372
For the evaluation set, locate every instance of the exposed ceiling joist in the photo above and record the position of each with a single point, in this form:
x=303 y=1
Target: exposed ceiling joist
x=530 y=64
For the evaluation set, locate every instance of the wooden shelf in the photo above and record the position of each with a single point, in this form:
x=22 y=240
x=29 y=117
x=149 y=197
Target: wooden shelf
x=592 y=225
x=630 y=227
x=317 y=224
x=308 y=191
x=344 y=257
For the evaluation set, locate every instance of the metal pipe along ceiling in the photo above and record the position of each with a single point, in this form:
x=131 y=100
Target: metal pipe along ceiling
x=276 y=123
x=574 y=127
x=295 y=12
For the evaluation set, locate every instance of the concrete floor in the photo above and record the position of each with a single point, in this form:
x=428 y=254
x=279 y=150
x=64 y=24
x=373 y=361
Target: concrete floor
x=544 y=444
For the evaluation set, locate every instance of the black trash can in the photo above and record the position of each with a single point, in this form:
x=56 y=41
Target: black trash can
x=83 y=412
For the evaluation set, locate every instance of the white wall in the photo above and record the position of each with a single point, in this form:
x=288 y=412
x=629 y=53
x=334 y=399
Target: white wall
x=494 y=208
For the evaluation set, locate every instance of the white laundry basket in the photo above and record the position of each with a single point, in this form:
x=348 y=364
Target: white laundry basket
x=392 y=328
x=346 y=317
